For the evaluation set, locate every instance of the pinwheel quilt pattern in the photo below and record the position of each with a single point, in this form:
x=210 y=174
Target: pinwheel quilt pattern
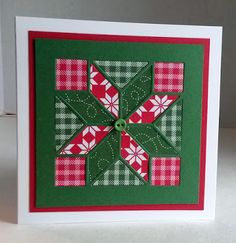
x=118 y=123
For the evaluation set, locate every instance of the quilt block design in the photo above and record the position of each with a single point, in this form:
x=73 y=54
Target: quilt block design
x=116 y=124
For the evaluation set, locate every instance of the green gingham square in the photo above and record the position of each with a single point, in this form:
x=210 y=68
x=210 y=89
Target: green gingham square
x=118 y=175
x=121 y=72
x=170 y=124
x=67 y=123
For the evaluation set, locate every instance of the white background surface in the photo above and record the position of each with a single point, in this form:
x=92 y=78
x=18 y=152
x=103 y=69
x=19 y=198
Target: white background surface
x=220 y=230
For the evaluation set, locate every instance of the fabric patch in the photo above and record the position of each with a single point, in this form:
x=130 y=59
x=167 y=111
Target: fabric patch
x=71 y=74
x=70 y=172
x=103 y=155
x=168 y=77
x=86 y=140
x=134 y=155
x=136 y=92
x=66 y=122
x=166 y=171
x=118 y=175
x=170 y=124
x=88 y=107
x=152 y=108
x=121 y=72
x=102 y=89
x=151 y=140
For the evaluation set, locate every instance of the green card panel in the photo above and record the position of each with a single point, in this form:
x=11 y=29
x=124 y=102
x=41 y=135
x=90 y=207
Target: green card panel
x=46 y=51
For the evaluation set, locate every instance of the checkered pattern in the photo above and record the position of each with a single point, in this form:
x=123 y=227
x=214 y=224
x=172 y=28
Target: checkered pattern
x=165 y=171
x=168 y=77
x=170 y=124
x=71 y=74
x=121 y=72
x=70 y=172
x=118 y=175
x=67 y=123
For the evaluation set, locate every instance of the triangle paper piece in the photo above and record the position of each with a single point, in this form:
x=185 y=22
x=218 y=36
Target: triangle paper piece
x=121 y=72
x=170 y=124
x=118 y=175
x=67 y=123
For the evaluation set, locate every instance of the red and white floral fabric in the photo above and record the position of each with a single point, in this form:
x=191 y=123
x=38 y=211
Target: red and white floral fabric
x=134 y=155
x=152 y=108
x=86 y=140
x=102 y=89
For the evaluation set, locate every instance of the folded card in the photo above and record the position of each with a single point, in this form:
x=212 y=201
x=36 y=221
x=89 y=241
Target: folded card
x=116 y=121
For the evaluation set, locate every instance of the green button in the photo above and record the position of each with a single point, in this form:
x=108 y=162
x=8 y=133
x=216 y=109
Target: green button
x=120 y=125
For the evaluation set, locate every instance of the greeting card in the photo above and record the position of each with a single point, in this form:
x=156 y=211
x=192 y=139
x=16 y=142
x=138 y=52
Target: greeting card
x=116 y=120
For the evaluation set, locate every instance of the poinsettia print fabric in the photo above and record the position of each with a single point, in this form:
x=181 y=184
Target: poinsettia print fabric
x=102 y=89
x=93 y=125
x=152 y=108
x=86 y=140
x=134 y=155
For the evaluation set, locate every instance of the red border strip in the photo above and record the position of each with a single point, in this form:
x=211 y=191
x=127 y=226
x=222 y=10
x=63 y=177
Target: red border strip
x=72 y=36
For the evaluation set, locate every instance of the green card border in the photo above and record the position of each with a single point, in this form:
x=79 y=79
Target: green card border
x=71 y=36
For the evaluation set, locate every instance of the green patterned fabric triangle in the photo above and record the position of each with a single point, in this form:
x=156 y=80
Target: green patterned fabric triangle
x=88 y=107
x=67 y=123
x=136 y=92
x=150 y=139
x=118 y=175
x=170 y=125
x=103 y=155
x=121 y=72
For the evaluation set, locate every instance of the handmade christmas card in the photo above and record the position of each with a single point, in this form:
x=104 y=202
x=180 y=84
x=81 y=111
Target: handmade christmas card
x=116 y=121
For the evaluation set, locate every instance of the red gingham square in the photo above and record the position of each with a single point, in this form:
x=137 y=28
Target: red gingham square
x=71 y=74
x=70 y=172
x=168 y=77
x=165 y=171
